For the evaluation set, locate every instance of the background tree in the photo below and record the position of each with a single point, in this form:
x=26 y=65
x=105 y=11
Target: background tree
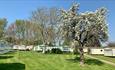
x=54 y=24
x=20 y=29
x=47 y=19
x=10 y=34
x=83 y=27
x=111 y=44
x=23 y=32
x=3 y=23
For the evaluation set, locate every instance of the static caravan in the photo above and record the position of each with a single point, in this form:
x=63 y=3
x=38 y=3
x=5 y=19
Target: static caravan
x=96 y=50
x=38 y=48
x=21 y=47
x=85 y=49
x=43 y=48
x=29 y=47
x=15 y=47
x=109 y=52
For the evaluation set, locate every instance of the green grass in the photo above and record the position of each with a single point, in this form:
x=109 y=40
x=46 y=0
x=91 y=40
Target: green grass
x=25 y=60
x=108 y=58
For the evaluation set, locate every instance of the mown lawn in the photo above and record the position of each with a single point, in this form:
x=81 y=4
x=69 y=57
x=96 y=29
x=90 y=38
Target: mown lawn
x=108 y=58
x=25 y=60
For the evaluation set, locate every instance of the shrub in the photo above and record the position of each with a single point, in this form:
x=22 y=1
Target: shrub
x=56 y=51
x=48 y=51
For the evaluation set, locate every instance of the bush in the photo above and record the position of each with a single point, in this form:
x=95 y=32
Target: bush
x=56 y=51
x=48 y=51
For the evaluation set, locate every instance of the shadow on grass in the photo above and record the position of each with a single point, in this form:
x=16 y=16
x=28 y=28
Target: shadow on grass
x=12 y=66
x=5 y=57
x=111 y=56
x=94 y=62
x=87 y=61
x=10 y=52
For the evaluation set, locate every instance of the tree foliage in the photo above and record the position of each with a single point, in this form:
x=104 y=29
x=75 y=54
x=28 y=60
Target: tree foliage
x=3 y=23
x=84 y=27
x=23 y=31
x=47 y=19
x=111 y=44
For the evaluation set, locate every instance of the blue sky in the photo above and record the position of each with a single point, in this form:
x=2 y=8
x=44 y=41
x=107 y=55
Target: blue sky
x=21 y=9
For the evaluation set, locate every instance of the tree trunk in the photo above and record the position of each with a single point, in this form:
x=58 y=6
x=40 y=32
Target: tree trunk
x=81 y=56
x=44 y=49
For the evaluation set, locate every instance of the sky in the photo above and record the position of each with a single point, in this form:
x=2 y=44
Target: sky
x=22 y=9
